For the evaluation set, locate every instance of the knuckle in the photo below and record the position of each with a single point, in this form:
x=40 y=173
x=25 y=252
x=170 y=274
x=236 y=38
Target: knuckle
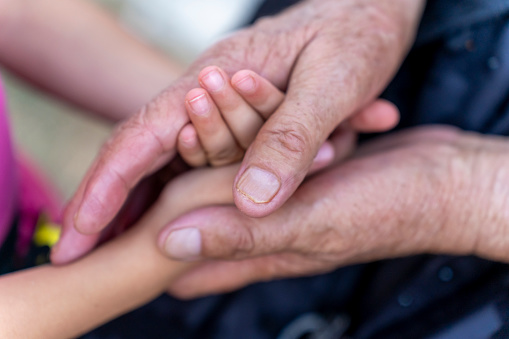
x=292 y=141
x=244 y=244
x=233 y=241
x=145 y=123
x=224 y=156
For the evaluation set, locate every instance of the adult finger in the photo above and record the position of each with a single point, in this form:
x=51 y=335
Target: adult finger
x=72 y=245
x=137 y=147
x=228 y=276
x=226 y=233
x=239 y=237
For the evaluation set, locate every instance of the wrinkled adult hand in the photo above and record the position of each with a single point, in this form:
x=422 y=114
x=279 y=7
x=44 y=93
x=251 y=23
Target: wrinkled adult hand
x=331 y=57
x=426 y=190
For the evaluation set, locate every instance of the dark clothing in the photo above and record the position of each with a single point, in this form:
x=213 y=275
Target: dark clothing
x=12 y=260
x=457 y=74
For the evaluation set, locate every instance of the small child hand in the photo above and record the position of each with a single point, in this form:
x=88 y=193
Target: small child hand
x=226 y=116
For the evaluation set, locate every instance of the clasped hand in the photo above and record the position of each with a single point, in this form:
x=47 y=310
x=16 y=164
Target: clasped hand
x=424 y=190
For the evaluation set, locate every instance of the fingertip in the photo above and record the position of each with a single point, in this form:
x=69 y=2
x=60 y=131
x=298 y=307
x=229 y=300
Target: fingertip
x=193 y=93
x=244 y=82
x=387 y=113
x=212 y=78
x=104 y=195
x=189 y=147
x=71 y=246
x=259 y=92
x=182 y=238
x=197 y=102
x=182 y=244
x=393 y=115
x=380 y=116
x=206 y=70
x=257 y=191
x=188 y=137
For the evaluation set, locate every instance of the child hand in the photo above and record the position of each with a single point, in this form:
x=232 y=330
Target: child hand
x=227 y=114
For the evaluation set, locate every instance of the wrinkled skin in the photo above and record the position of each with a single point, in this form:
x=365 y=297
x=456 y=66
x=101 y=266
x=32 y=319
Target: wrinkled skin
x=425 y=190
x=331 y=57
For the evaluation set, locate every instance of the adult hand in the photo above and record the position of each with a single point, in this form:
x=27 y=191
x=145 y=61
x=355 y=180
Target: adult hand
x=331 y=57
x=426 y=190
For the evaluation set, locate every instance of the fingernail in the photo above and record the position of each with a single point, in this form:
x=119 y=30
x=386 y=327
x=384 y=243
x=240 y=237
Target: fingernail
x=200 y=105
x=246 y=84
x=213 y=81
x=258 y=185
x=184 y=244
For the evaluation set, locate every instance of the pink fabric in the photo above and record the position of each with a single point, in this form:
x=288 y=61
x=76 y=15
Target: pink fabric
x=8 y=180
x=35 y=197
x=23 y=189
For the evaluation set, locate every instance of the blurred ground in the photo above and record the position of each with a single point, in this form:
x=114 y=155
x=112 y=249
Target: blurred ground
x=64 y=143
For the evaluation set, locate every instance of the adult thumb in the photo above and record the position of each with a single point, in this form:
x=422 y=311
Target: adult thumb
x=280 y=157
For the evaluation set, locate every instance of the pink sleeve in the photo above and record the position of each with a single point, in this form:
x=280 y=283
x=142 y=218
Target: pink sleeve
x=8 y=180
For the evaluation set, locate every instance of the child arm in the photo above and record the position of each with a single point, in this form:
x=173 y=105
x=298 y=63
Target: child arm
x=78 y=52
x=62 y=302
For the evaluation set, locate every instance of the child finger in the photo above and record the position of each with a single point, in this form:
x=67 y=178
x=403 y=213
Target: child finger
x=260 y=93
x=189 y=147
x=241 y=118
x=216 y=139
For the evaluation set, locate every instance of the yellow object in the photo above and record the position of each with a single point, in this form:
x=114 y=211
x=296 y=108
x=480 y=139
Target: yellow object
x=46 y=234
